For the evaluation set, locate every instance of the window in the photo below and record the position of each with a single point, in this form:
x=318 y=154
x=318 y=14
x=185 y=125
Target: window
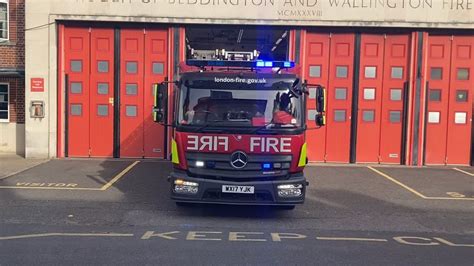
x=315 y=71
x=339 y=115
x=4 y=90
x=3 y=20
x=132 y=67
x=103 y=66
x=369 y=94
x=435 y=95
x=341 y=71
x=102 y=88
x=397 y=72
x=370 y=72
x=436 y=73
x=395 y=94
x=158 y=68
x=461 y=96
x=463 y=73
x=368 y=115
x=341 y=93
x=395 y=116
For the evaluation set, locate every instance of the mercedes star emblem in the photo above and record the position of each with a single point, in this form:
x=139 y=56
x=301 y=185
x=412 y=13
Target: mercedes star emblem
x=238 y=160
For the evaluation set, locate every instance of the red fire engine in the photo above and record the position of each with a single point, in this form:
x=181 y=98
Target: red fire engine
x=239 y=133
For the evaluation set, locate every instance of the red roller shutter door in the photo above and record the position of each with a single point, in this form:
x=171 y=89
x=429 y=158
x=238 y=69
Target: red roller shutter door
x=131 y=93
x=439 y=59
x=341 y=68
x=395 y=80
x=101 y=93
x=329 y=62
x=458 y=146
x=77 y=63
x=383 y=75
x=370 y=98
x=317 y=49
x=156 y=66
x=450 y=88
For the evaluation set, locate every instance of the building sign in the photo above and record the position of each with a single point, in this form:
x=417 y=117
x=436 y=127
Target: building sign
x=37 y=84
x=392 y=13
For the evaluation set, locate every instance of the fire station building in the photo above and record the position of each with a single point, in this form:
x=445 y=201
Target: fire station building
x=399 y=74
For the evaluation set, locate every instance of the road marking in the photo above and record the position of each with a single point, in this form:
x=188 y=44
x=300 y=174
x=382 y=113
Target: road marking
x=413 y=190
x=418 y=241
x=449 y=243
x=351 y=239
x=51 y=188
x=397 y=182
x=120 y=175
x=65 y=234
x=70 y=186
x=464 y=172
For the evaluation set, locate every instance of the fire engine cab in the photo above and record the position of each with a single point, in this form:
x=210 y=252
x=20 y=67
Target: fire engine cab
x=239 y=132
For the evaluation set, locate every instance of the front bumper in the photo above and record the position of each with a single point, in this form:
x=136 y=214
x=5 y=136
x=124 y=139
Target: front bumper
x=210 y=191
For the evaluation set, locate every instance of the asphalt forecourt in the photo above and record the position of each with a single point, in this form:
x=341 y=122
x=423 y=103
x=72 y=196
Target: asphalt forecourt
x=178 y=245
x=89 y=175
x=432 y=183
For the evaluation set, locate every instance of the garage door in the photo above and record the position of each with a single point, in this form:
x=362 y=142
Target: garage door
x=382 y=82
x=449 y=102
x=94 y=127
x=329 y=62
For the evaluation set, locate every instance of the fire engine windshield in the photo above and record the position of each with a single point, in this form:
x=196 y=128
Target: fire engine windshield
x=274 y=108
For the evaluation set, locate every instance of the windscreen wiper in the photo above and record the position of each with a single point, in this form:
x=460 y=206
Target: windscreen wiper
x=261 y=128
x=213 y=122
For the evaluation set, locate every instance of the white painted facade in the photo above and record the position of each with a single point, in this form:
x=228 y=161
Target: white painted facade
x=41 y=36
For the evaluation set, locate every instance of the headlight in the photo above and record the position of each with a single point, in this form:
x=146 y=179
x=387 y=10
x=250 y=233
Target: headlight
x=290 y=190
x=185 y=187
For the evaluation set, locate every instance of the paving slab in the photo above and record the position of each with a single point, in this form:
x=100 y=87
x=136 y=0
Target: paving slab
x=67 y=174
x=13 y=164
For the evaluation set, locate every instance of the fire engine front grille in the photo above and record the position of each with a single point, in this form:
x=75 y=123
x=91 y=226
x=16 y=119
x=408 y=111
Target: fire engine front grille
x=218 y=167
x=259 y=196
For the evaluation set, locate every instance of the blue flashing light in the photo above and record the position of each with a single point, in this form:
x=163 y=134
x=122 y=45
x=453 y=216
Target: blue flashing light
x=250 y=64
x=267 y=166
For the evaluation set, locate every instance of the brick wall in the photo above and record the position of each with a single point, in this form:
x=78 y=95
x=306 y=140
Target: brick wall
x=12 y=53
x=12 y=56
x=17 y=99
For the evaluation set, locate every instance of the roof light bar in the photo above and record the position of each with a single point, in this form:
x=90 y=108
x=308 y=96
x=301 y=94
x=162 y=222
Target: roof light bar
x=247 y=64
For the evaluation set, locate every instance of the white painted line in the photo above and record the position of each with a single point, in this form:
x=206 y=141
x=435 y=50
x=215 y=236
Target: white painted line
x=351 y=239
x=65 y=234
x=464 y=172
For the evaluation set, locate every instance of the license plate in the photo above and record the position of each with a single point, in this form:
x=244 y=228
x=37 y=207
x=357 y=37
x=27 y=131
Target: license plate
x=238 y=189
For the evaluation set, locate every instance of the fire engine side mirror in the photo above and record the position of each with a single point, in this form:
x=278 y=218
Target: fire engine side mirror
x=161 y=102
x=320 y=106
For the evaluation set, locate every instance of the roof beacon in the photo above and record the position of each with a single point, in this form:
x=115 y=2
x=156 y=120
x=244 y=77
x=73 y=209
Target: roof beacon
x=241 y=64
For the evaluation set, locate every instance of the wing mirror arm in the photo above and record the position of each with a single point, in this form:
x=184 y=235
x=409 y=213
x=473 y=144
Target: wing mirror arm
x=321 y=102
x=160 y=107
